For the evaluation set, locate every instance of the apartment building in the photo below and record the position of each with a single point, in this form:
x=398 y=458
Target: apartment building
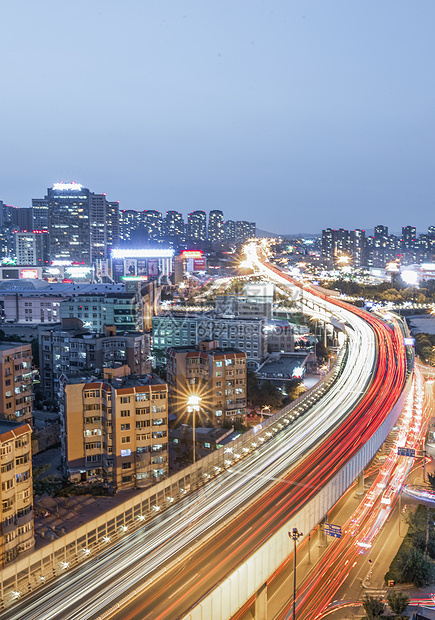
x=70 y=348
x=16 y=392
x=115 y=431
x=17 y=533
x=188 y=330
x=216 y=375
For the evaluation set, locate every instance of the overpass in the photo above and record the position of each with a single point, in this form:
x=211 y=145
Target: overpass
x=197 y=558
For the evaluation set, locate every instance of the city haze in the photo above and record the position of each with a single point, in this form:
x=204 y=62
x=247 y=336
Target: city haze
x=298 y=115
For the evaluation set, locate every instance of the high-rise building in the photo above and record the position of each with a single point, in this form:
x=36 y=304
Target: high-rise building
x=381 y=231
x=217 y=376
x=174 y=227
x=215 y=226
x=16 y=379
x=245 y=230
x=408 y=237
x=17 y=531
x=83 y=226
x=230 y=230
x=116 y=430
x=197 y=226
x=152 y=224
x=130 y=222
x=357 y=246
x=32 y=247
x=22 y=218
x=7 y=242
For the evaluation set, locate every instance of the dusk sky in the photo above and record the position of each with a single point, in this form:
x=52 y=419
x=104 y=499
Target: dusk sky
x=295 y=114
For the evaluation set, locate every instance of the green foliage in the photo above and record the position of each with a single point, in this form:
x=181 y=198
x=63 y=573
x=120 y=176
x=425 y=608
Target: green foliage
x=425 y=347
x=398 y=602
x=373 y=607
x=393 y=291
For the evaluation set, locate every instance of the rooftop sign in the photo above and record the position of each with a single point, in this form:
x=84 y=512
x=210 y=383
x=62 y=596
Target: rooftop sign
x=67 y=186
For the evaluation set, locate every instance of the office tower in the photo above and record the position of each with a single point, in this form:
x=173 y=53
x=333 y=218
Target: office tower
x=230 y=230
x=115 y=430
x=215 y=226
x=17 y=532
x=40 y=209
x=16 y=378
x=174 y=227
x=32 y=248
x=217 y=376
x=82 y=225
x=431 y=232
x=197 y=226
x=152 y=224
x=22 y=218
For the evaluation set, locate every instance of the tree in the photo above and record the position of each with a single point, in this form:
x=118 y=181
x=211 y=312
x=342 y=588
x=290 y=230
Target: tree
x=416 y=568
x=398 y=602
x=373 y=607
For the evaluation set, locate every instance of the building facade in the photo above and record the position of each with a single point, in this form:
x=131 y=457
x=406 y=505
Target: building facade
x=17 y=532
x=16 y=381
x=67 y=348
x=83 y=226
x=217 y=376
x=244 y=334
x=115 y=431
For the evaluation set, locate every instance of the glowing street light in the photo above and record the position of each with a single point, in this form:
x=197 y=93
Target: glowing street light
x=193 y=403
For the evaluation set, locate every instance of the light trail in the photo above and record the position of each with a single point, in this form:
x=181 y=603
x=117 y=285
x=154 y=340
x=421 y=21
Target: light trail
x=200 y=529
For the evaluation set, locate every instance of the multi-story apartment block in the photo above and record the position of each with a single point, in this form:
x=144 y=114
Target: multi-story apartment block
x=116 y=430
x=197 y=226
x=245 y=230
x=17 y=532
x=124 y=310
x=174 y=227
x=230 y=230
x=177 y=329
x=217 y=376
x=215 y=226
x=152 y=224
x=16 y=378
x=68 y=348
x=32 y=247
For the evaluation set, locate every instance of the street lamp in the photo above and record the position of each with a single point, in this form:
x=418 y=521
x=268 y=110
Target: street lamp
x=294 y=535
x=193 y=403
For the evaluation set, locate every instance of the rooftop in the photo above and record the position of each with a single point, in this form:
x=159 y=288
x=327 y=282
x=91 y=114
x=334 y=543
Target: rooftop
x=4 y=346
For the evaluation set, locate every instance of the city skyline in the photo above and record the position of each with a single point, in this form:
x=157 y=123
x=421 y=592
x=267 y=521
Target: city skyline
x=304 y=115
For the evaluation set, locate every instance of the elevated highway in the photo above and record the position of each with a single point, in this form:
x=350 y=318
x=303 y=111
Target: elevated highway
x=183 y=564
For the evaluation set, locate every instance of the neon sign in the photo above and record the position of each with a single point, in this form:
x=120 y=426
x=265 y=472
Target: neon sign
x=67 y=186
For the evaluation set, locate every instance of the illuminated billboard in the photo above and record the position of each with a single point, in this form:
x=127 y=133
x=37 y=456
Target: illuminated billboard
x=29 y=274
x=74 y=272
x=142 y=253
